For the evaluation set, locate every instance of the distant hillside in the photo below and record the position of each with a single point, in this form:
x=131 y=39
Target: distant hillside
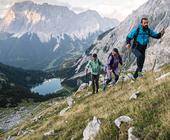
x=15 y=84
x=22 y=77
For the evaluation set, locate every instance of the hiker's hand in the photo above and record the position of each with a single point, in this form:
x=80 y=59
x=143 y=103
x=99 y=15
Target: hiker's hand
x=162 y=32
x=128 y=46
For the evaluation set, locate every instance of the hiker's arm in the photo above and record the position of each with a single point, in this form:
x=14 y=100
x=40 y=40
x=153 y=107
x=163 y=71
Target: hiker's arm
x=109 y=62
x=156 y=35
x=86 y=71
x=130 y=36
x=120 y=60
x=87 y=67
x=101 y=64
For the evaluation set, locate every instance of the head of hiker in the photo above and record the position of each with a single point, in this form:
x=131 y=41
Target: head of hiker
x=94 y=56
x=115 y=52
x=144 y=22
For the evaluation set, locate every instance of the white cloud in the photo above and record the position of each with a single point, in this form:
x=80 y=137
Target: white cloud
x=109 y=8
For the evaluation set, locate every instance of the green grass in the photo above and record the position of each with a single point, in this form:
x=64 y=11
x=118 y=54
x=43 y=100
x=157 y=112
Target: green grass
x=150 y=112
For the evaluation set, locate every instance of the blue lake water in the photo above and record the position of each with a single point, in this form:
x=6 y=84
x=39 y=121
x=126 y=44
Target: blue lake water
x=48 y=86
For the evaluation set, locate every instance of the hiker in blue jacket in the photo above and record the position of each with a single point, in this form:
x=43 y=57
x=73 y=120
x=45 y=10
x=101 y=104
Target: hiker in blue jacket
x=140 y=37
x=112 y=66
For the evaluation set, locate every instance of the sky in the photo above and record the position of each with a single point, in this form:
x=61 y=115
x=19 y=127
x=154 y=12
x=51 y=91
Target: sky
x=119 y=9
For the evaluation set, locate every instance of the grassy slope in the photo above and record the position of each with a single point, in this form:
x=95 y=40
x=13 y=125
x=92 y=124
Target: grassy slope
x=150 y=112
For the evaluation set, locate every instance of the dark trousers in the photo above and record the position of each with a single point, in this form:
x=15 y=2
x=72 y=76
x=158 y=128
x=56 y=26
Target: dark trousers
x=140 y=55
x=110 y=79
x=95 y=83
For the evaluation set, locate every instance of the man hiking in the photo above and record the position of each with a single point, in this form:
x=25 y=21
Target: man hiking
x=140 y=37
x=95 y=67
x=112 y=66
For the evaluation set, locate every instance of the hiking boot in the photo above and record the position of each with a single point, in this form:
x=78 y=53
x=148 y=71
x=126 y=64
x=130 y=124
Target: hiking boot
x=140 y=75
x=133 y=78
x=137 y=75
x=97 y=91
x=113 y=83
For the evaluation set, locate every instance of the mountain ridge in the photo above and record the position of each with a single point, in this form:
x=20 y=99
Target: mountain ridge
x=34 y=17
x=158 y=14
x=57 y=30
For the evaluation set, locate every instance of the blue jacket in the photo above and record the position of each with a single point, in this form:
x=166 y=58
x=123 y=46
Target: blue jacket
x=143 y=36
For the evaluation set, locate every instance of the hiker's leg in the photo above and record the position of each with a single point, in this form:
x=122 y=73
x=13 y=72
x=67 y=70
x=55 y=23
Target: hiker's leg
x=116 y=74
x=93 y=83
x=108 y=81
x=109 y=77
x=97 y=83
x=140 y=61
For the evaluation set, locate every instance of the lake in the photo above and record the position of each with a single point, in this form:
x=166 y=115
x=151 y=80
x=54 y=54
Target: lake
x=48 y=86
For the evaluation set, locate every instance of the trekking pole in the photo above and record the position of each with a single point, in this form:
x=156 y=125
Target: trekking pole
x=154 y=64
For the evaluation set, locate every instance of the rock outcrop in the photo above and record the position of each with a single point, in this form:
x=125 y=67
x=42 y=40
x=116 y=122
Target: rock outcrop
x=92 y=129
x=121 y=119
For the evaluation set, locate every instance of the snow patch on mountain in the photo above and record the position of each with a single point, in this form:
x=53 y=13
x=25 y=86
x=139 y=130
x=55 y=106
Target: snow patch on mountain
x=56 y=47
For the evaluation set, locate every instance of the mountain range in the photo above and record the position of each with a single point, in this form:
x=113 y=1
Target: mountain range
x=34 y=36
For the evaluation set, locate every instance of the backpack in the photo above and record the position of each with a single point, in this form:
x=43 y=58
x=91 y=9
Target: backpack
x=109 y=55
x=98 y=62
x=120 y=58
